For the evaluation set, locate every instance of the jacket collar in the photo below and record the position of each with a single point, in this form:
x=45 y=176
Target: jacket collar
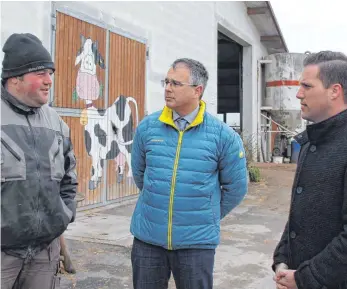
x=166 y=116
x=319 y=132
x=15 y=103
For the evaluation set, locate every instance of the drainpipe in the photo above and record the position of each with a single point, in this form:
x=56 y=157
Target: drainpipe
x=259 y=105
x=269 y=136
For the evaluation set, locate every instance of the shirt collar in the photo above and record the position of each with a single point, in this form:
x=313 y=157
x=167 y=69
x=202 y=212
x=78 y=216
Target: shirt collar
x=189 y=117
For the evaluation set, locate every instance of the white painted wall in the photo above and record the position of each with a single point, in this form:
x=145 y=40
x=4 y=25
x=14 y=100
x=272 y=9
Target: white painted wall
x=172 y=30
x=25 y=16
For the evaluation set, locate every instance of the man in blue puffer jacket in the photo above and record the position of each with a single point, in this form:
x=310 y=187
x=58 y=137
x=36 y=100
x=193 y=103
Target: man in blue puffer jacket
x=191 y=171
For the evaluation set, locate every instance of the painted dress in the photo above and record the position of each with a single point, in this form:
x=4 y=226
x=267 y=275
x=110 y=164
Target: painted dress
x=87 y=86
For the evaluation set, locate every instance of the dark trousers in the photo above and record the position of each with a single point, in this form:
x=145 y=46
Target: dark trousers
x=152 y=267
x=40 y=273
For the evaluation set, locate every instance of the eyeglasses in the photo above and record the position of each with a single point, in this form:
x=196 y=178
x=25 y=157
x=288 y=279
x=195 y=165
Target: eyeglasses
x=175 y=83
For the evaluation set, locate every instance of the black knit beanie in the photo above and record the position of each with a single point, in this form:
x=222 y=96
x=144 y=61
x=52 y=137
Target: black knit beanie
x=24 y=53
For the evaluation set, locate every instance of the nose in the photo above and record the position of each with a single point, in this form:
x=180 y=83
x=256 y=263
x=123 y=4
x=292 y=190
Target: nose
x=48 y=79
x=300 y=93
x=168 y=87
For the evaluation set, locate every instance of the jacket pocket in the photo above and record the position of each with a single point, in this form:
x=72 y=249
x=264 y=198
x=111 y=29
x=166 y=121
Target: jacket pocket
x=215 y=212
x=56 y=158
x=13 y=165
x=214 y=221
x=67 y=212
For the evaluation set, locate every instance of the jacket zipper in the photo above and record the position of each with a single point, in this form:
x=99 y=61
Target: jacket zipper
x=37 y=171
x=34 y=143
x=172 y=192
x=11 y=150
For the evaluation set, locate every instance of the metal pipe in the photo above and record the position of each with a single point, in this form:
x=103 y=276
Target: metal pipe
x=273 y=131
x=269 y=152
x=282 y=127
x=105 y=189
x=259 y=100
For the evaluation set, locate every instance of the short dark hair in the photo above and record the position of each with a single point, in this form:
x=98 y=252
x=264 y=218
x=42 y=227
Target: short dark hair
x=332 y=68
x=198 y=72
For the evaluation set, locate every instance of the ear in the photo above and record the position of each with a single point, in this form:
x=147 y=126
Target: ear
x=95 y=51
x=198 y=90
x=95 y=46
x=80 y=51
x=336 y=91
x=78 y=58
x=14 y=80
x=83 y=39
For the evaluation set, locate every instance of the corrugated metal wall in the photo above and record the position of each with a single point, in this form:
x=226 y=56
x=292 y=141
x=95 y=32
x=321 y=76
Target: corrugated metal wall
x=102 y=117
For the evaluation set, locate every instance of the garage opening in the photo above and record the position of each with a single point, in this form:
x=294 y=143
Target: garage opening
x=229 y=91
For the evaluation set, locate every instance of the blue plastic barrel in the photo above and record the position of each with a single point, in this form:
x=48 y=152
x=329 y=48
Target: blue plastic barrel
x=295 y=152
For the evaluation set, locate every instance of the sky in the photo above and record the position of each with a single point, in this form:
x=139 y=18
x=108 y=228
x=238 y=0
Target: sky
x=309 y=25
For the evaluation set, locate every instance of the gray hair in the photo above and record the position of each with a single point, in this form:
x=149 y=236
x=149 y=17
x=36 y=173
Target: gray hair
x=332 y=68
x=198 y=72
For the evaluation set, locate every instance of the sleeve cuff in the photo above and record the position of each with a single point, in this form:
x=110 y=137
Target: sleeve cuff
x=304 y=278
x=72 y=207
x=277 y=261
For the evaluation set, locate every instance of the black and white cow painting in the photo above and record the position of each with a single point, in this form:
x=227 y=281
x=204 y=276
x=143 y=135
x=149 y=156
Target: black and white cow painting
x=109 y=136
x=108 y=133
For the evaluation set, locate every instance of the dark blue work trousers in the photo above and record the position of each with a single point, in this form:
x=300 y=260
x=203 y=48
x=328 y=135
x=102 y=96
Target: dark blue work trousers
x=152 y=267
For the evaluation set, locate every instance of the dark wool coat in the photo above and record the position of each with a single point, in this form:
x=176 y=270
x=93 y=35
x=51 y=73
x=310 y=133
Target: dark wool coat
x=314 y=242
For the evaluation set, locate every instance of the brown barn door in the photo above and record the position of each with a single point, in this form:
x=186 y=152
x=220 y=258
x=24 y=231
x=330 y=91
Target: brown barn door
x=126 y=102
x=99 y=89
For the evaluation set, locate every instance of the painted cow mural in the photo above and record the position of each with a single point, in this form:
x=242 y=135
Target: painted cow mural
x=87 y=84
x=108 y=133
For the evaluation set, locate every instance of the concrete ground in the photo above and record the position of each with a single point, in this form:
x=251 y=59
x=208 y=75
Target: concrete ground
x=100 y=242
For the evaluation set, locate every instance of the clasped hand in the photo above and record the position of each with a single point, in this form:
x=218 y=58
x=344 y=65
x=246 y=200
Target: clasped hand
x=285 y=279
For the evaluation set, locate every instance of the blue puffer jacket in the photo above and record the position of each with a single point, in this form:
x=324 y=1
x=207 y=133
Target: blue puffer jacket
x=188 y=180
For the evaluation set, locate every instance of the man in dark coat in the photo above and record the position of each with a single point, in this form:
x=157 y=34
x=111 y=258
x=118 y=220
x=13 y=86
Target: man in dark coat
x=312 y=253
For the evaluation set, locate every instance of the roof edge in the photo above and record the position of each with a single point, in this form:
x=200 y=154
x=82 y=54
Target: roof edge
x=277 y=25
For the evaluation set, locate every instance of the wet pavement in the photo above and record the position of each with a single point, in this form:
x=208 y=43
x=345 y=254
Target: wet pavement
x=100 y=241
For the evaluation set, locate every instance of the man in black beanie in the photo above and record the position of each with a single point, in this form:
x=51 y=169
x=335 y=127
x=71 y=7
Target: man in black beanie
x=38 y=168
x=25 y=55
